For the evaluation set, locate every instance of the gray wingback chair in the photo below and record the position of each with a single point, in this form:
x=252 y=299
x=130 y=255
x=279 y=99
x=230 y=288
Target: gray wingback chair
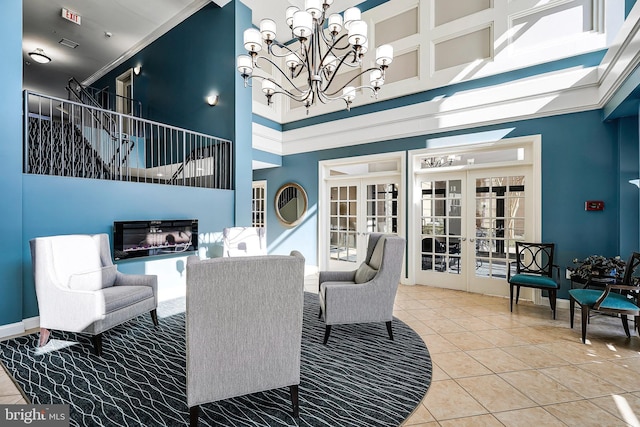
x=243 y=327
x=367 y=294
x=79 y=289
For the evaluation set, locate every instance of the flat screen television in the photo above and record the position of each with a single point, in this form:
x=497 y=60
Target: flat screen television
x=134 y=239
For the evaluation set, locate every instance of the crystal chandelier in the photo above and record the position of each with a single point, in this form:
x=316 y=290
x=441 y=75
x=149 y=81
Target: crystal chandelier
x=322 y=49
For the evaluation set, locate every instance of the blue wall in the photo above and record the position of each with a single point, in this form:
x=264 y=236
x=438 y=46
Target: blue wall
x=59 y=205
x=180 y=69
x=629 y=194
x=11 y=163
x=580 y=161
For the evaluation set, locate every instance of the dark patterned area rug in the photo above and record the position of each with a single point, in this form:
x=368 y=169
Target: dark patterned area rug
x=360 y=378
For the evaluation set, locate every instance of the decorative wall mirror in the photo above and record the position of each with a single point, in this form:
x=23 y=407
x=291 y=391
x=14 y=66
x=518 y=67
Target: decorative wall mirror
x=291 y=204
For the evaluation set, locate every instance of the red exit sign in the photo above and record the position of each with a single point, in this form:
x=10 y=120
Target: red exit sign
x=70 y=15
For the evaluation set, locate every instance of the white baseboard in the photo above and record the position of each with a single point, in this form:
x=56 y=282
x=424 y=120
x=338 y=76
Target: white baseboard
x=19 y=328
x=31 y=323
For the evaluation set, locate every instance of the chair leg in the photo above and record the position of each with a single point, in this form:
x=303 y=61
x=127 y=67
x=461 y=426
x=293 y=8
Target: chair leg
x=293 y=390
x=572 y=310
x=585 y=320
x=625 y=325
x=194 y=411
x=154 y=317
x=97 y=344
x=44 y=336
x=511 y=297
x=320 y=313
x=389 y=330
x=552 y=301
x=517 y=293
x=327 y=332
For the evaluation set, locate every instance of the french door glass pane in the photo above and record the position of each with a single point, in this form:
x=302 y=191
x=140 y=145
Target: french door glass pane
x=499 y=222
x=441 y=205
x=343 y=223
x=382 y=208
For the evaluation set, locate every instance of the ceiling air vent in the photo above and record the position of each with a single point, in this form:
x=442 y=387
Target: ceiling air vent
x=68 y=43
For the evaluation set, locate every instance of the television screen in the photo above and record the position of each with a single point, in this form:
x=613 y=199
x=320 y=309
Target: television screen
x=133 y=239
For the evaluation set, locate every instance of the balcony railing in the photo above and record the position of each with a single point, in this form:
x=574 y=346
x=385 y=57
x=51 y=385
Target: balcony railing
x=67 y=138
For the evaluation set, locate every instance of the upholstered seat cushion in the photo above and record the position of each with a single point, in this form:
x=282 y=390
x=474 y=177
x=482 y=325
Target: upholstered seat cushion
x=533 y=281
x=613 y=301
x=117 y=297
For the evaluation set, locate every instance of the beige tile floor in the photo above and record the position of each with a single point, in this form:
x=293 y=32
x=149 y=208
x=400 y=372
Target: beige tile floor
x=494 y=368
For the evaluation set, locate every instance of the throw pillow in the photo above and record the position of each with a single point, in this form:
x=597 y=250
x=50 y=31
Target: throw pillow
x=93 y=280
x=365 y=273
x=376 y=257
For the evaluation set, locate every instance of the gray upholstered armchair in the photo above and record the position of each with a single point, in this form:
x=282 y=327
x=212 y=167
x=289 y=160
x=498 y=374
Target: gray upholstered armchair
x=243 y=326
x=367 y=294
x=79 y=289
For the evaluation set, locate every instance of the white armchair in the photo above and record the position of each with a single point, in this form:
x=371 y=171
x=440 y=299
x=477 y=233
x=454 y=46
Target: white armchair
x=79 y=289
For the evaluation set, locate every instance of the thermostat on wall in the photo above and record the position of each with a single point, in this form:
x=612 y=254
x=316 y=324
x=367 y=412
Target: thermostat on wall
x=593 y=205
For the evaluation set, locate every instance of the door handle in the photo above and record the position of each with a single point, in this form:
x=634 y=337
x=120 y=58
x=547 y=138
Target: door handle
x=464 y=239
x=472 y=240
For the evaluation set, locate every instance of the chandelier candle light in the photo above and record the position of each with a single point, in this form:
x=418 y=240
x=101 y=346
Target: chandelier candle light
x=322 y=50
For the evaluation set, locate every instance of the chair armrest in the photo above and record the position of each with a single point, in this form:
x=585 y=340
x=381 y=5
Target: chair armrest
x=339 y=303
x=336 y=276
x=557 y=268
x=509 y=269
x=70 y=310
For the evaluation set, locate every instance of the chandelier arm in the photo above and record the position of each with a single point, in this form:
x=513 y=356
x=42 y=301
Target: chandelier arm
x=281 y=46
x=284 y=74
x=335 y=72
x=333 y=44
x=304 y=94
x=347 y=83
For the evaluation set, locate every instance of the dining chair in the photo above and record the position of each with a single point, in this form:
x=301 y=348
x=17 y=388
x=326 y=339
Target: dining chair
x=534 y=269
x=623 y=303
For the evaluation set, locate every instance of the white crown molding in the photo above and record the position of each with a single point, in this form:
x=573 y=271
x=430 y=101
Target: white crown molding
x=623 y=56
x=267 y=139
x=160 y=31
x=562 y=92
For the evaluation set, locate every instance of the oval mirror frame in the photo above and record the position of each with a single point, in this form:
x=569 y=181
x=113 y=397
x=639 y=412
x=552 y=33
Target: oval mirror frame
x=290 y=214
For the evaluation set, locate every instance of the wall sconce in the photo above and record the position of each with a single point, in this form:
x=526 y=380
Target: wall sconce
x=137 y=69
x=635 y=182
x=212 y=100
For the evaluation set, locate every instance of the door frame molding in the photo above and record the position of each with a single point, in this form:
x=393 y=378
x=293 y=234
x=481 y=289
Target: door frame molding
x=325 y=179
x=532 y=141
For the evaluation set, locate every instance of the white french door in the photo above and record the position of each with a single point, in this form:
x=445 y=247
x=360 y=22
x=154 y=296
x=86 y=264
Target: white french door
x=357 y=208
x=469 y=222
